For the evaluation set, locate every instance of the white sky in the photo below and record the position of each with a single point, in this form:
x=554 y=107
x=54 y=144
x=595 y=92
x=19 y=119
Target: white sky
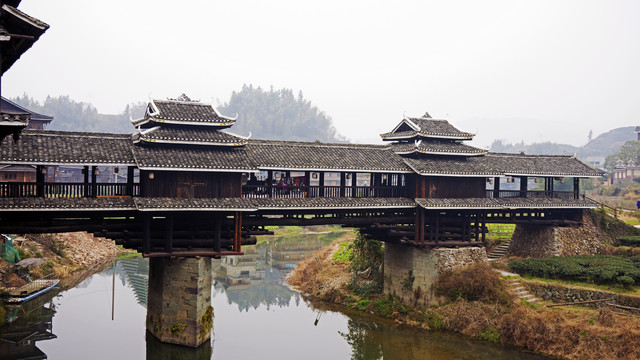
x=515 y=70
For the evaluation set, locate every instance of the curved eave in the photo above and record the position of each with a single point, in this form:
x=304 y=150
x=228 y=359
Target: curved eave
x=145 y=121
x=451 y=153
x=427 y=135
x=189 y=142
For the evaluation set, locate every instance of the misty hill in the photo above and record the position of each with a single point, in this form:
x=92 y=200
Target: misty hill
x=278 y=115
x=601 y=146
x=265 y=114
x=71 y=115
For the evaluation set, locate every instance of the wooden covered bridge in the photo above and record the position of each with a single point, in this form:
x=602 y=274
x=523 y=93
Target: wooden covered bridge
x=183 y=185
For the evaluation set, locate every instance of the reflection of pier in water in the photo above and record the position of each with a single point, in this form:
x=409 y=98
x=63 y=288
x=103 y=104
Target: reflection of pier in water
x=257 y=278
x=27 y=324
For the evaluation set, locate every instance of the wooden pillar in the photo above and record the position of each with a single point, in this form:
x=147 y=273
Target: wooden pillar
x=85 y=171
x=484 y=225
x=307 y=177
x=375 y=182
x=130 y=170
x=576 y=187
x=523 y=186
x=217 y=232
x=270 y=182
x=146 y=241
x=94 y=185
x=321 y=187
x=437 y=239
x=496 y=187
x=354 y=183
x=342 y=183
x=237 y=234
x=168 y=232
x=40 y=180
x=420 y=224
x=477 y=226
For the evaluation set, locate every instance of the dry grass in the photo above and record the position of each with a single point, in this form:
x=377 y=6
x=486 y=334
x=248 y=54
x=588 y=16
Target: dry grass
x=322 y=277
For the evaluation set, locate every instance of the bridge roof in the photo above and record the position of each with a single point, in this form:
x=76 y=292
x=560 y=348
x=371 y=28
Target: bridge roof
x=499 y=164
x=504 y=203
x=316 y=156
x=188 y=136
x=192 y=158
x=427 y=127
x=184 y=112
x=437 y=148
x=67 y=204
x=45 y=147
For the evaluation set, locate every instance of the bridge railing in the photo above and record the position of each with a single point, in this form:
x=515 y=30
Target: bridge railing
x=66 y=190
x=531 y=194
x=297 y=191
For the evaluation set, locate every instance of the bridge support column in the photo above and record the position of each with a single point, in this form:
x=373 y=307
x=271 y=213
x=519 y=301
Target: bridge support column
x=179 y=301
x=409 y=272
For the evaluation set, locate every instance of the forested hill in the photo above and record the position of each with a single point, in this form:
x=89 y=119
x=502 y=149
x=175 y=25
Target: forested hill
x=601 y=146
x=265 y=114
x=71 y=115
x=278 y=115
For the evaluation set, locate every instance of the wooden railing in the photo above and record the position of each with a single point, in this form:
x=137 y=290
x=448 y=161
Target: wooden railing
x=531 y=194
x=293 y=191
x=64 y=190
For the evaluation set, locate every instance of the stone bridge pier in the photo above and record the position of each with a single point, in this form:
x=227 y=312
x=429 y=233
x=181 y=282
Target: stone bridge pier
x=179 y=300
x=410 y=272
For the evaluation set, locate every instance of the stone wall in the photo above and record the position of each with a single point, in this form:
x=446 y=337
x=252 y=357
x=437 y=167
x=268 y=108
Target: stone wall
x=179 y=301
x=559 y=293
x=409 y=272
x=544 y=240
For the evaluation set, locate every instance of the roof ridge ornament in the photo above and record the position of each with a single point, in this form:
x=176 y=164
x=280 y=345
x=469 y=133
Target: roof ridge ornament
x=426 y=115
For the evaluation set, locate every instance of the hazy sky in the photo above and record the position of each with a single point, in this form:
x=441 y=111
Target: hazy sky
x=515 y=70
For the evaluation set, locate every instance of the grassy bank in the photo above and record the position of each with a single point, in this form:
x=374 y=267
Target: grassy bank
x=478 y=306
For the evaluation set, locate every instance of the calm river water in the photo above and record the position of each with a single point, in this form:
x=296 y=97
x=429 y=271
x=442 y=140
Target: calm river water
x=256 y=317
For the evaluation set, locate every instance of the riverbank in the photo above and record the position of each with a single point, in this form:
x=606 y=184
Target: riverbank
x=477 y=308
x=69 y=257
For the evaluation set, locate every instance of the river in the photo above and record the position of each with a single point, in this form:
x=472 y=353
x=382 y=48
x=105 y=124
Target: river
x=257 y=316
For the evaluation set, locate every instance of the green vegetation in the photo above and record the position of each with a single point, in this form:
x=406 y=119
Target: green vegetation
x=633 y=241
x=630 y=150
x=502 y=232
x=598 y=269
x=362 y=304
x=344 y=252
x=367 y=257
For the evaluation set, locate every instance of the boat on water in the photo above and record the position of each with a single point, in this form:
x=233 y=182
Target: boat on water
x=31 y=290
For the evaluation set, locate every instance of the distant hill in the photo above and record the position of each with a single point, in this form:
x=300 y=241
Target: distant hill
x=601 y=146
x=71 y=115
x=273 y=114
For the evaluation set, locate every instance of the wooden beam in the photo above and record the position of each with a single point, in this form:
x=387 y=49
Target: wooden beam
x=192 y=253
x=169 y=233
x=146 y=243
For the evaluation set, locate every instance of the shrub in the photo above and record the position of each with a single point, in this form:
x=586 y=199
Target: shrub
x=362 y=304
x=475 y=282
x=633 y=241
x=588 y=268
x=344 y=252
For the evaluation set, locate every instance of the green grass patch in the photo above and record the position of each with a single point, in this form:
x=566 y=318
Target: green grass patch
x=344 y=253
x=597 y=269
x=362 y=305
x=633 y=241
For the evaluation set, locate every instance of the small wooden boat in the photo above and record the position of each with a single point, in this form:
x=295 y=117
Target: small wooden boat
x=31 y=290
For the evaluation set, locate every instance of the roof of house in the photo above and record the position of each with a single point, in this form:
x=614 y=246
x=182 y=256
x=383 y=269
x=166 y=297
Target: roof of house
x=9 y=107
x=20 y=32
x=40 y=147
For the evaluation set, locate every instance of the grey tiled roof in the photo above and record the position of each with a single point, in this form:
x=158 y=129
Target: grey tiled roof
x=9 y=107
x=437 y=148
x=319 y=156
x=332 y=203
x=503 y=203
x=189 y=135
x=68 y=204
x=204 y=204
x=496 y=164
x=38 y=147
x=190 y=112
x=427 y=127
x=177 y=157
